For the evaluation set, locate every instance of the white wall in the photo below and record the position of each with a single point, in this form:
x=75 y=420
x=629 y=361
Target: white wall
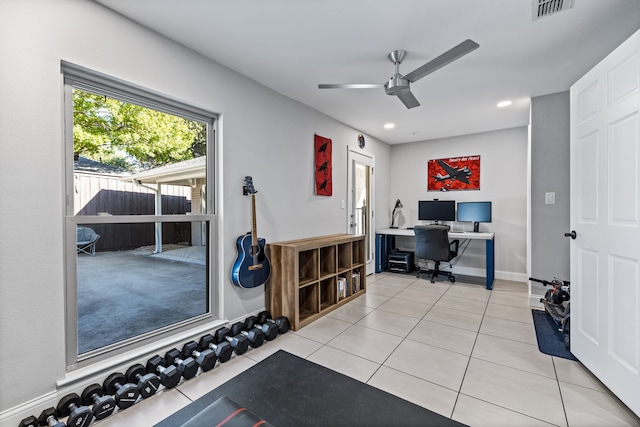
x=503 y=181
x=263 y=134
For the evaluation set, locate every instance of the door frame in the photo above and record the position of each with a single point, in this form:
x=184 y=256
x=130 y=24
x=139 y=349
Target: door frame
x=355 y=154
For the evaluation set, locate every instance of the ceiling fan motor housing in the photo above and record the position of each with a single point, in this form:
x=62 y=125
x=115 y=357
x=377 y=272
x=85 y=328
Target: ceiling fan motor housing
x=396 y=85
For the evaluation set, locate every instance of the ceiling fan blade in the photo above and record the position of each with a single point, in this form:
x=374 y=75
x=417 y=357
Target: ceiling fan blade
x=408 y=99
x=442 y=60
x=351 y=86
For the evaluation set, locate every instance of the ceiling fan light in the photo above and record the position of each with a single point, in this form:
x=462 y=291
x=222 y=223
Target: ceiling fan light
x=503 y=104
x=389 y=125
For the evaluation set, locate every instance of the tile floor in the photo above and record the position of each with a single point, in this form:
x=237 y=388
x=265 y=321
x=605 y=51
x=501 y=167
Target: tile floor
x=457 y=349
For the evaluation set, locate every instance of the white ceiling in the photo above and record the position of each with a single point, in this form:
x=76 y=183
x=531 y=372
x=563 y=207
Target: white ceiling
x=291 y=46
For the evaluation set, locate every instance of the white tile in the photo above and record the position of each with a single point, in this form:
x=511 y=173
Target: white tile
x=459 y=319
x=476 y=292
x=518 y=331
x=530 y=394
x=587 y=407
x=442 y=367
x=324 y=329
x=573 y=372
x=462 y=304
x=207 y=381
x=478 y=413
x=350 y=312
x=418 y=295
x=517 y=314
x=423 y=393
x=515 y=288
x=292 y=343
x=510 y=299
x=370 y=300
x=515 y=354
x=149 y=411
x=391 y=323
x=396 y=280
x=406 y=307
x=365 y=342
x=444 y=336
x=383 y=290
x=422 y=284
x=345 y=363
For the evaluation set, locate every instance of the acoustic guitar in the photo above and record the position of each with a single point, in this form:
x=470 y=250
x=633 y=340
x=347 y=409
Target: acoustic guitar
x=252 y=267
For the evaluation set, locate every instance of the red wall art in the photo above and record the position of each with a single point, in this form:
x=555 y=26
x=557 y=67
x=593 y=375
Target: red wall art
x=324 y=170
x=454 y=173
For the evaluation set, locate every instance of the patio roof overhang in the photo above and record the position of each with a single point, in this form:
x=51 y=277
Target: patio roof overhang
x=182 y=173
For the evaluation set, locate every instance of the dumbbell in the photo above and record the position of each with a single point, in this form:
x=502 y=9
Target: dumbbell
x=147 y=383
x=188 y=367
x=206 y=358
x=222 y=350
x=239 y=343
x=282 y=322
x=125 y=393
x=30 y=421
x=169 y=374
x=254 y=335
x=103 y=405
x=71 y=406
x=270 y=330
x=48 y=417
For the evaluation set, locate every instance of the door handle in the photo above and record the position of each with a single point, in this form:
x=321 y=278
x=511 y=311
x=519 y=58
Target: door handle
x=573 y=234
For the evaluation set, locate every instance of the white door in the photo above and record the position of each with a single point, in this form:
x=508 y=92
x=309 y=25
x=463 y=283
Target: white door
x=360 y=201
x=605 y=214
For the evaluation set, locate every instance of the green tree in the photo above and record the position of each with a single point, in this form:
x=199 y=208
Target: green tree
x=129 y=135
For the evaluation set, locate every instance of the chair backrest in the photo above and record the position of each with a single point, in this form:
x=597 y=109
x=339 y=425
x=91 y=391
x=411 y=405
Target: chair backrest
x=432 y=242
x=86 y=235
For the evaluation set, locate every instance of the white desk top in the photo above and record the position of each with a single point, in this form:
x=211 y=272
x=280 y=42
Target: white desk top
x=452 y=234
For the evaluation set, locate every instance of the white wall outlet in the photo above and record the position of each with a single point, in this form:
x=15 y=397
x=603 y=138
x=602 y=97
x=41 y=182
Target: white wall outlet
x=342 y=204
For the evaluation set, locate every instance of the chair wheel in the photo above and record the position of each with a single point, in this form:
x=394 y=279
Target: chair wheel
x=433 y=280
x=452 y=279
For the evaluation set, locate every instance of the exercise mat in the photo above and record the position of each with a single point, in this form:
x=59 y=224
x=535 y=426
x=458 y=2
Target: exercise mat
x=550 y=339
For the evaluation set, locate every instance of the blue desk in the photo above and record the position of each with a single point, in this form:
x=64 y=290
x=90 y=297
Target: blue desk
x=385 y=241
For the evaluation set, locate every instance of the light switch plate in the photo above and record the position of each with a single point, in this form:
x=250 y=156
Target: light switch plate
x=549 y=198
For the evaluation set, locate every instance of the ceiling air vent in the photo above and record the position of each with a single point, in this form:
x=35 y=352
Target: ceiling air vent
x=542 y=8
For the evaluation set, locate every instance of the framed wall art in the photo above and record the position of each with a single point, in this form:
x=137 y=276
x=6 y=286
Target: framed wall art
x=453 y=174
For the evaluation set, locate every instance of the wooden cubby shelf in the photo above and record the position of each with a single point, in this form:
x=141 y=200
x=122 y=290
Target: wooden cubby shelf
x=310 y=277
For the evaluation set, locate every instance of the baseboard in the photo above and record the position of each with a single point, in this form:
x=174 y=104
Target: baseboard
x=12 y=416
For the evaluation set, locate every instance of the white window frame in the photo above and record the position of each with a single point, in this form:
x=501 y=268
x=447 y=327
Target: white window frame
x=82 y=78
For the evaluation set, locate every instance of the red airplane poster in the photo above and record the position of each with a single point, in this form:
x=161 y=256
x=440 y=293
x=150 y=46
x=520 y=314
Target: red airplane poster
x=454 y=173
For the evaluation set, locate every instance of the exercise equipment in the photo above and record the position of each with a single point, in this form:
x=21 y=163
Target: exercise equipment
x=169 y=374
x=557 y=305
x=254 y=335
x=147 y=383
x=30 y=421
x=71 y=406
x=48 y=417
x=206 y=358
x=126 y=394
x=282 y=322
x=239 y=343
x=187 y=367
x=223 y=350
x=270 y=330
x=103 y=405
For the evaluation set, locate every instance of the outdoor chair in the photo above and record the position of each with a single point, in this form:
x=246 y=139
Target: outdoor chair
x=86 y=240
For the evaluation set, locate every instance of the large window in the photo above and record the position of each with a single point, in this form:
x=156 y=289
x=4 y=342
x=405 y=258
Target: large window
x=139 y=215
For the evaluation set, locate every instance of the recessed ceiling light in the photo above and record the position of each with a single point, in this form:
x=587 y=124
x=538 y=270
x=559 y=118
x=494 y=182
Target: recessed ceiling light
x=389 y=125
x=502 y=104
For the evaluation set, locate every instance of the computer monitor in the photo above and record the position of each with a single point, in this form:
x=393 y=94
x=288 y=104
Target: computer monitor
x=437 y=210
x=475 y=212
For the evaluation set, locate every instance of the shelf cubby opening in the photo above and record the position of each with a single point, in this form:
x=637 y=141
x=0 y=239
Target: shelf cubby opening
x=328 y=293
x=307 y=266
x=308 y=301
x=344 y=255
x=358 y=251
x=327 y=260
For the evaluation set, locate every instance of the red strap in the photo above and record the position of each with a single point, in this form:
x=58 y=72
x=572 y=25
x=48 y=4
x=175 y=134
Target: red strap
x=233 y=414
x=259 y=423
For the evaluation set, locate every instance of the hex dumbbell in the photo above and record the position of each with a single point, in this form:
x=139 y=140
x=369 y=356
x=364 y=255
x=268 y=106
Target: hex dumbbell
x=71 y=406
x=169 y=374
x=282 y=322
x=206 y=358
x=30 y=421
x=48 y=417
x=103 y=404
x=126 y=394
x=254 y=335
x=239 y=343
x=222 y=350
x=147 y=383
x=270 y=330
x=187 y=367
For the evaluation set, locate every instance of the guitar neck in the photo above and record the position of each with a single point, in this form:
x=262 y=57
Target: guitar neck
x=254 y=228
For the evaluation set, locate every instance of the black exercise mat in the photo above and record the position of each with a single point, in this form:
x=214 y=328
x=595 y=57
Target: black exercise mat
x=287 y=390
x=550 y=339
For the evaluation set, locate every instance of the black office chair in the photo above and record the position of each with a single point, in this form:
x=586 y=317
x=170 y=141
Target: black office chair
x=432 y=244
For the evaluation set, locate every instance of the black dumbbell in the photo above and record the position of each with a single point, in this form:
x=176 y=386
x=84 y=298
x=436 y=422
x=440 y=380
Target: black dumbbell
x=103 y=405
x=254 y=335
x=222 y=350
x=147 y=383
x=48 y=417
x=270 y=330
x=282 y=322
x=188 y=367
x=126 y=394
x=30 y=421
x=71 y=406
x=239 y=343
x=169 y=374
x=206 y=358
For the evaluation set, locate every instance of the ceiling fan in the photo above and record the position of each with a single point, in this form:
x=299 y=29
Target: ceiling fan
x=398 y=85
